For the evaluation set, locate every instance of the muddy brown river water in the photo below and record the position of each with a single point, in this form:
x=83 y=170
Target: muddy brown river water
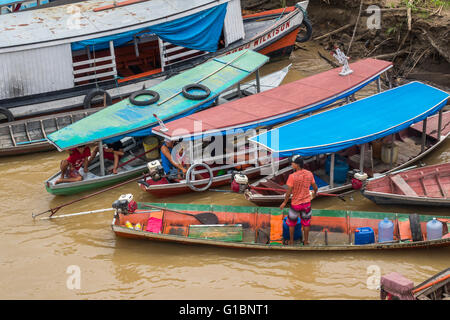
x=39 y=258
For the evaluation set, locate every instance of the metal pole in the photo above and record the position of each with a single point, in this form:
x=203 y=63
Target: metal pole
x=258 y=83
x=332 y=171
x=102 y=159
x=439 y=125
x=361 y=161
x=424 y=135
x=379 y=84
x=239 y=90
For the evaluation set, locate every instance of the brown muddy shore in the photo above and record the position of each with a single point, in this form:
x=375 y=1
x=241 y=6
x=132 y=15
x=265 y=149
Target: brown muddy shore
x=415 y=40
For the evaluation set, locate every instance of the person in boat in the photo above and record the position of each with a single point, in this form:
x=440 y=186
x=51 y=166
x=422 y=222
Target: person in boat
x=78 y=157
x=112 y=151
x=172 y=168
x=298 y=184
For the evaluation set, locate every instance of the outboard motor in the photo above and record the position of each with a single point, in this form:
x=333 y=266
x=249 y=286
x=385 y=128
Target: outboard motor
x=155 y=170
x=125 y=204
x=239 y=182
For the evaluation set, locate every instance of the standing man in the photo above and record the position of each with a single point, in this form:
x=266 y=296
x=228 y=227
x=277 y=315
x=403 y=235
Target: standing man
x=298 y=185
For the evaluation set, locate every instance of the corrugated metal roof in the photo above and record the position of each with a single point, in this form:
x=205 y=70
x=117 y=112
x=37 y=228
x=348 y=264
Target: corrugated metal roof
x=75 y=22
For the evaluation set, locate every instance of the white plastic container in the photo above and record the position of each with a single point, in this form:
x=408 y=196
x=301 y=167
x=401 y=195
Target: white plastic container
x=385 y=230
x=434 y=229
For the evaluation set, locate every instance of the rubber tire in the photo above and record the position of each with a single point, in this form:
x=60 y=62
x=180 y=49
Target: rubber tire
x=308 y=34
x=87 y=103
x=190 y=96
x=136 y=94
x=414 y=224
x=188 y=179
x=9 y=116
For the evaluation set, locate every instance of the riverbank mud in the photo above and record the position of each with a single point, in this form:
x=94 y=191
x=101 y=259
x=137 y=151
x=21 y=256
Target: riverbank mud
x=411 y=33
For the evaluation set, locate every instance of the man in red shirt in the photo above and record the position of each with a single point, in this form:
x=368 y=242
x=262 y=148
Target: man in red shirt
x=298 y=185
x=78 y=157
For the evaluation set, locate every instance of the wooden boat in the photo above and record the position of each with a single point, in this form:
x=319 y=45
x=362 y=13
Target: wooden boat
x=411 y=144
x=396 y=287
x=316 y=92
x=428 y=186
x=261 y=228
x=129 y=118
x=28 y=136
x=118 y=50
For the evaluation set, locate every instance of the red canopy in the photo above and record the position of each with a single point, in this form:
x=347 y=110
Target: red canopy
x=278 y=103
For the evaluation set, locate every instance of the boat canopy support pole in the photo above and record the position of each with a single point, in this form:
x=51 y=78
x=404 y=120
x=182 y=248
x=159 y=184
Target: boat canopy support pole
x=424 y=135
x=361 y=160
x=102 y=159
x=439 y=125
x=379 y=84
x=332 y=171
x=258 y=82
x=113 y=57
x=239 y=90
x=391 y=156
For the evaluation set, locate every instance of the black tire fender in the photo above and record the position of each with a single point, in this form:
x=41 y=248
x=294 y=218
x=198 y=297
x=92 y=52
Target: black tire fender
x=197 y=86
x=136 y=94
x=414 y=224
x=8 y=115
x=308 y=34
x=96 y=93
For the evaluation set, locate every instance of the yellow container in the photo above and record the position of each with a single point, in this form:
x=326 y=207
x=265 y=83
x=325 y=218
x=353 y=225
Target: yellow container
x=386 y=153
x=150 y=143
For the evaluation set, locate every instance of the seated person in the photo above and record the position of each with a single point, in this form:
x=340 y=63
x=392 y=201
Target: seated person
x=78 y=157
x=113 y=152
x=171 y=167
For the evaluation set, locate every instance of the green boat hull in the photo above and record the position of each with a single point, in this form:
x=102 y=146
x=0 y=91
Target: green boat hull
x=82 y=187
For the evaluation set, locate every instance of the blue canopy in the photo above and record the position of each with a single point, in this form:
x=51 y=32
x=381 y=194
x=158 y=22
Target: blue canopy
x=355 y=123
x=199 y=31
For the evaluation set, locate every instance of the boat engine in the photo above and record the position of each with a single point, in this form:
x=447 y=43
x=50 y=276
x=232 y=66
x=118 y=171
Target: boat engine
x=155 y=170
x=239 y=182
x=125 y=204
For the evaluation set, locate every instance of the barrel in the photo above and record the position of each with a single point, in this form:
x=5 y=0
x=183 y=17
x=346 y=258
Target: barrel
x=434 y=229
x=386 y=153
x=151 y=142
x=340 y=169
x=385 y=230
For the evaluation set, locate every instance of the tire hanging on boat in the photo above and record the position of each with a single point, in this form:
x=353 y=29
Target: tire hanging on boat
x=188 y=177
x=308 y=34
x=8 y=115
x=196 y=86
x=96 y=93
x=134 y=95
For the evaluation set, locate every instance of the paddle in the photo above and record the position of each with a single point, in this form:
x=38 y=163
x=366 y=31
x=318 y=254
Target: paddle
x=204 y=217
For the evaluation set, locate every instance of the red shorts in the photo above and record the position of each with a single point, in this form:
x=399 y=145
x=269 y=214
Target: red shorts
x=299 y=210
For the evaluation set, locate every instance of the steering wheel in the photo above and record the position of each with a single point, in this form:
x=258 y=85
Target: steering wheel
x=188 y=177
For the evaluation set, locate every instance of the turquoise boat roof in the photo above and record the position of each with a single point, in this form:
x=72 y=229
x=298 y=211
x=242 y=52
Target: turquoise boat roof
x=124 y=117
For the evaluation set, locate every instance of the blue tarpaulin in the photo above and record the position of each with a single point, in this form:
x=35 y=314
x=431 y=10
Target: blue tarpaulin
x=199 y=31
x=355 y=123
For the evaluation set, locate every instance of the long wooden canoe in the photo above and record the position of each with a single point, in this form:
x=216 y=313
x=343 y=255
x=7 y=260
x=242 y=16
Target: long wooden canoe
x=29 y=135
x=261 y=228
x=412 y=145
x=428 y=186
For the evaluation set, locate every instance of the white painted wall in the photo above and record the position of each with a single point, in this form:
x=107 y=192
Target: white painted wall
x=35 y=71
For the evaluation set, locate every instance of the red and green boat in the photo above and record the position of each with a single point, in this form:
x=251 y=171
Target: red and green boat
x=261 y=228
